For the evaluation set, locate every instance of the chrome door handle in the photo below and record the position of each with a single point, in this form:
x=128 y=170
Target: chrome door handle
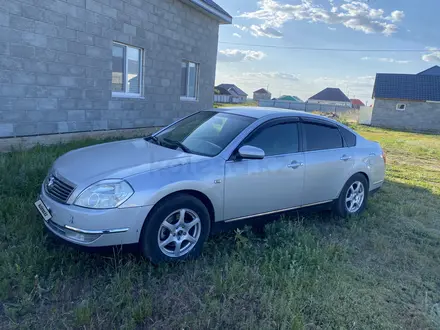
x=345 y=158
x=295 y=164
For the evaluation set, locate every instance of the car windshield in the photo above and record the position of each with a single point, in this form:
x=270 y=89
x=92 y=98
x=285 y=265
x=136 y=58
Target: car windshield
x=205 y=133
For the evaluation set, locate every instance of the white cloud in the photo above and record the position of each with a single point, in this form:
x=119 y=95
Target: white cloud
x=432 y=56
x=237 y=55
x=265 y=31
x=272 y=75
x=241 y=27
x=397 y=16
x=385 y=59
x=236 y=35
x=352 y=14
x=332 y=28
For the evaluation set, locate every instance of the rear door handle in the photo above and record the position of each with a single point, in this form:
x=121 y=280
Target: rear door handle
x=345 y=158
x=295 y=164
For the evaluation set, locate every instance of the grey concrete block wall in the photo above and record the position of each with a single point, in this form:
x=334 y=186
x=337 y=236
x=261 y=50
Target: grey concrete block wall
x=418 y=116
x=56 y=63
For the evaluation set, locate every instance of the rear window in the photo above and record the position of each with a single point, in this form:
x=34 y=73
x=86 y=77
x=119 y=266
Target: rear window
x=349 y=137
x=321 y=137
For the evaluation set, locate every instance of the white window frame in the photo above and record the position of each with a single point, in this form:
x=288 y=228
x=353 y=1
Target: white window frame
x=190 y=98
x=126 y=94
x=398 y=105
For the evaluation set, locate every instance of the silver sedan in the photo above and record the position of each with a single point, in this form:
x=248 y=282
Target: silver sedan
x=166 y=191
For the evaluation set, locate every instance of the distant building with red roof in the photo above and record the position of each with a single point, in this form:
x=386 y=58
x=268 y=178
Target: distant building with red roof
x=357 y=104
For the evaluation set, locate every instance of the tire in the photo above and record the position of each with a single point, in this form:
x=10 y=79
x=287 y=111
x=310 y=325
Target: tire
x=163 y=225
x=346 y=208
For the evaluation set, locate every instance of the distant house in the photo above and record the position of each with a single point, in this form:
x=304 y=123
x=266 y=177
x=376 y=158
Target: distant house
x=331 y=96
x=262 y=94
x=356 y=103
x=289 y=98
x=229 y=93
x=407 y=101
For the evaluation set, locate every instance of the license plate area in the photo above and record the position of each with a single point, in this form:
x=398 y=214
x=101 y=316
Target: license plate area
x=44 y=211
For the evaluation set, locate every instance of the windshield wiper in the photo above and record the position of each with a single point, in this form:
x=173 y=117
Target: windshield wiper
x=179 y=145
x=153 y=138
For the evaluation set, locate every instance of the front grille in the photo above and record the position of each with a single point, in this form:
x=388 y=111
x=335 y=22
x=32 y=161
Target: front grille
x=58 y=189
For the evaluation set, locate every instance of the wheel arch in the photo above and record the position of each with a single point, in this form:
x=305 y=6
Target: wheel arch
x=195 y=193
x=364 y=174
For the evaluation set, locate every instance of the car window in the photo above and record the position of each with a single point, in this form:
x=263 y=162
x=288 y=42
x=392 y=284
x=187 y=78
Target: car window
x=205 y=133
x=321 y=137
x=349 y=137
x=276 y=140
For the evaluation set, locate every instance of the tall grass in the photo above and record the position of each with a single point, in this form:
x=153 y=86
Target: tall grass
x=377 y=271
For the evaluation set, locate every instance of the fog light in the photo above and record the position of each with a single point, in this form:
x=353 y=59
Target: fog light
x=86 y=238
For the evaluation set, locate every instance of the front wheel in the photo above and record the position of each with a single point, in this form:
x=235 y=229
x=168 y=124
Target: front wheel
x=354 y=196
x=176 y=229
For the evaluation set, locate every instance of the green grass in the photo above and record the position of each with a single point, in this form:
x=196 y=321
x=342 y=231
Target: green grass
x=380 y=270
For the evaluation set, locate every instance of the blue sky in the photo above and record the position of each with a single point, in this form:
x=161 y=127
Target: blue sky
x=347 y=24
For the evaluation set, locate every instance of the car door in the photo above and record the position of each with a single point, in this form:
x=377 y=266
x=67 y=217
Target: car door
x=255 y=186
x=327 y=162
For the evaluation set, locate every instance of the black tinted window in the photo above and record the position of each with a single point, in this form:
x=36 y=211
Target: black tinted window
x=320 y=137
x=349 y=137
x=276 y=140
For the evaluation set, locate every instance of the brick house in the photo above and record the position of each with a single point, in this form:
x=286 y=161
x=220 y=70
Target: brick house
x=407 y=101
x=262 y=94
x=92 y=65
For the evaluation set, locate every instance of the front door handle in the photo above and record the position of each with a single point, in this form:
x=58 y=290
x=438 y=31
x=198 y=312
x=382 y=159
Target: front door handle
x=345 y=158
x=295 y=164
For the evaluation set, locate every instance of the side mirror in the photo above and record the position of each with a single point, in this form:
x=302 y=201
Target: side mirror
x=250 y=152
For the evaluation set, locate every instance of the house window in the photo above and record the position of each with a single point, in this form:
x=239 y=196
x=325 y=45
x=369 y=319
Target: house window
x=127 y=71
x=401 y=106
x=189 y=81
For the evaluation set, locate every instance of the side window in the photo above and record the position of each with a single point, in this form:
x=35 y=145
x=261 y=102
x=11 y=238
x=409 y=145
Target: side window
x=349 y=137
x=276 y=140
x=321 y=137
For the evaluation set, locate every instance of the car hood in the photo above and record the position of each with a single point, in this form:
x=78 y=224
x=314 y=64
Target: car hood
x=117 y=160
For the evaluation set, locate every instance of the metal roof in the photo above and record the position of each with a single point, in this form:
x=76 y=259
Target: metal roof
x=261 y=91
x=290 y=98
x=216 y=6
x=420 y=87
x=234 y=88
x=211 y=8
x=434 y=71
x=331 y=94
x=357 y=102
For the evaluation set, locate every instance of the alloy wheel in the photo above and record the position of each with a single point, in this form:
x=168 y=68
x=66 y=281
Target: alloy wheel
x=355 y=197
x=179 y=233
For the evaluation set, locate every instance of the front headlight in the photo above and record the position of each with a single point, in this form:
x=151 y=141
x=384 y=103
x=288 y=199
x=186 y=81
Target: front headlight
x=106 y=194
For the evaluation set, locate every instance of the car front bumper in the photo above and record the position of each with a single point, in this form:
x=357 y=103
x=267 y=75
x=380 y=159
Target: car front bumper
x=95 y=228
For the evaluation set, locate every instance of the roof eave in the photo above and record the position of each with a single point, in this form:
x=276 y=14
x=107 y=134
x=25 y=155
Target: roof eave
x=221 y=17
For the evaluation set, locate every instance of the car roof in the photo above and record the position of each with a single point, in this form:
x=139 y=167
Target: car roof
x=260 y=112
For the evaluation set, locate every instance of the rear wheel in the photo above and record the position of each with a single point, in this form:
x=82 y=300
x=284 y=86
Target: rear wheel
x=354 y=196
x=176 y=229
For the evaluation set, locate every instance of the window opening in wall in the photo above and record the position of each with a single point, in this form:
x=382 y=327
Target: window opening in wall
x=127 y=70
x=189 y=81
x=401 y=106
